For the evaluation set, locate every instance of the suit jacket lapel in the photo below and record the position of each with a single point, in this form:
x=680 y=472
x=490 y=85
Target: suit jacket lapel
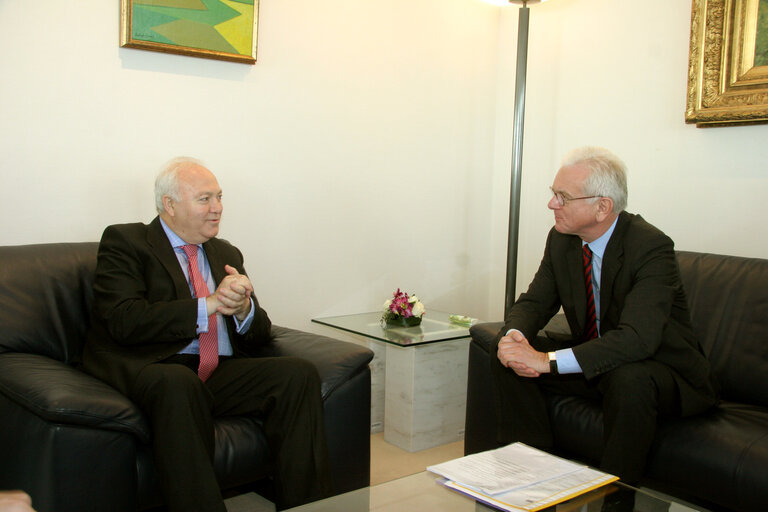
x=575 y=263
x=214 y=260
x=161 y=246
x=612 y=261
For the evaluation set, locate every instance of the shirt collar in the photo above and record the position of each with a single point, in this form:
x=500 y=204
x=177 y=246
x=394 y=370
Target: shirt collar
x=176 y=240
x=598 y=246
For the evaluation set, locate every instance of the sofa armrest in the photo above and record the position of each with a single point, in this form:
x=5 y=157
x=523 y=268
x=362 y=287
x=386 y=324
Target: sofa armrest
x=336 y=361
x=346 y=391
x=484 y=334
x=59 y=393
x=480 y=421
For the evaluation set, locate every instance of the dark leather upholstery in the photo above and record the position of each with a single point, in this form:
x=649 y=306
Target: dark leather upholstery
x=719 y=458
x=76 y=444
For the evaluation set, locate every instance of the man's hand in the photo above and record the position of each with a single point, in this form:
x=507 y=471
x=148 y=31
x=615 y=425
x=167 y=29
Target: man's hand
x=15 y=501
x=233 y=296
x=516 y=353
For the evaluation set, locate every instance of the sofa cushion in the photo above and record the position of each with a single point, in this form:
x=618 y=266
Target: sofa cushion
x=722 y=452
x=728 y=300
x=61 y=394
x=46 y=292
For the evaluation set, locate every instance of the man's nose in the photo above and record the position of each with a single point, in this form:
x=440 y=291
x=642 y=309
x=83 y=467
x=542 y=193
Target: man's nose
x=553 y=203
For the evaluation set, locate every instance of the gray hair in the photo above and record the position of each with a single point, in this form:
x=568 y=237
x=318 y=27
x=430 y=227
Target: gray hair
x=167 y=181
x=607 y=176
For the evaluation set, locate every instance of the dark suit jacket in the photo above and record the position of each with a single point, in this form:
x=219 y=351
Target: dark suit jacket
x=643 y=309
x=143 y=309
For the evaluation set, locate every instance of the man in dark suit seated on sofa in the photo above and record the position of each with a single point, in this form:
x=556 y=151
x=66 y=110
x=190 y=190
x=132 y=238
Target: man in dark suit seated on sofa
x=632 y=347
x=175 y=325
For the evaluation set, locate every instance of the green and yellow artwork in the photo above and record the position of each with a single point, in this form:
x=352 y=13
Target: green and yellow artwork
x=761 y=46
x=222 y=29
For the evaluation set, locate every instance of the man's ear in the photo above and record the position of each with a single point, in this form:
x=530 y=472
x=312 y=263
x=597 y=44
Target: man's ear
x=168 y=205
x=604 y=207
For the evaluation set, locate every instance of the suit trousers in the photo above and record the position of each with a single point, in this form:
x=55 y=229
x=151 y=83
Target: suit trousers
x=283 y=391
x=633 y=396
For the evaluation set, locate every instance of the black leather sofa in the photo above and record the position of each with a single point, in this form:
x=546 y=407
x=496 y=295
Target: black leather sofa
x=719 y=459
x=76 y=444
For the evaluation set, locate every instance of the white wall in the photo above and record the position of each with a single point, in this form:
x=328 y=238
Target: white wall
x=369 y=146
x=614 y=73
x=355 y=156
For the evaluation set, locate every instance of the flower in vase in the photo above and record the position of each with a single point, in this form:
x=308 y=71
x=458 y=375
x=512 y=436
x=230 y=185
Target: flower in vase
x=402 y=306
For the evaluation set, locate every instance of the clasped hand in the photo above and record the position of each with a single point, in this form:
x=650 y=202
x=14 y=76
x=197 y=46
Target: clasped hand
x=233 y=295
x=516 y=353
x=15 y=501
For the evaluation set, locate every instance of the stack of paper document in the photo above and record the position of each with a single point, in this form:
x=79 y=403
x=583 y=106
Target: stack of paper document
x=518 y=477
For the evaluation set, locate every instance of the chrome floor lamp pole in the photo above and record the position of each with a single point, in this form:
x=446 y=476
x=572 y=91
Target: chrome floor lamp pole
x=517 y=159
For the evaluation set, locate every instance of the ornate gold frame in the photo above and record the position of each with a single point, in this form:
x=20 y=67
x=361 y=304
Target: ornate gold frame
x=724 y=85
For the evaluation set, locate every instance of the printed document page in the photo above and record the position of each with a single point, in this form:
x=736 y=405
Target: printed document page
x=519 y=477
x=513 y=466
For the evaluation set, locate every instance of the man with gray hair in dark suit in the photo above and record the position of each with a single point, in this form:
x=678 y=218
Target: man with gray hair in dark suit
x=632 y=347
x=177 y=328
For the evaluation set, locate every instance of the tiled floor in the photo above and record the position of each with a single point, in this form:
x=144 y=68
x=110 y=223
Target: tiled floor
x=389 y=462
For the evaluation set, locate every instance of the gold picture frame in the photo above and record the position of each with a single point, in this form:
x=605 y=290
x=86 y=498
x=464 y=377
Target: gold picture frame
x=213 y=29
x=728 y=70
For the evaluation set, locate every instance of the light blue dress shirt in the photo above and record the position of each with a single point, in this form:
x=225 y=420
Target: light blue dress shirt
x=225 y=347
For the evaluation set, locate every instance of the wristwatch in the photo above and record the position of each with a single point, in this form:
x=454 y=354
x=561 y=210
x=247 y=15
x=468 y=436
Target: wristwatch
x=552 y=362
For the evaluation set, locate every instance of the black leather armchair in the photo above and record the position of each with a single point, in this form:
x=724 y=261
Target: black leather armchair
x=76 y=444
x=718 y=459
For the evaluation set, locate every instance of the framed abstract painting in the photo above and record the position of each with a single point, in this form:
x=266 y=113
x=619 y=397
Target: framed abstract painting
x=214 y=29
x=728 y=66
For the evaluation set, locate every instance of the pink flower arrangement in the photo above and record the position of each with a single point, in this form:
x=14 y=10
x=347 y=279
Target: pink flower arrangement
x=403 y=305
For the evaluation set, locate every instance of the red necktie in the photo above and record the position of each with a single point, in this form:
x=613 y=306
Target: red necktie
x=208 y=341
x=590 y=330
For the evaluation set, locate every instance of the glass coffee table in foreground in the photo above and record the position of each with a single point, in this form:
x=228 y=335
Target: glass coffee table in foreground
x=422 y=493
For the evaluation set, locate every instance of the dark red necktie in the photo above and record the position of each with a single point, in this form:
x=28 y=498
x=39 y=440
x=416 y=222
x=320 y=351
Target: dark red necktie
x=590 y=330
x=208 y=341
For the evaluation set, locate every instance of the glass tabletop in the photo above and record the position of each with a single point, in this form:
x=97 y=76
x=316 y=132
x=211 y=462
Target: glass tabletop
x=435 y=327
x=421 y=492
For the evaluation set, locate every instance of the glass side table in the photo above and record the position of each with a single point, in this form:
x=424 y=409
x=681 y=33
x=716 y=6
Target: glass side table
x=425 y=376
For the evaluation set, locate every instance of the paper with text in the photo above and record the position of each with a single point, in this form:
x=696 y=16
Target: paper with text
x=518 y=477
x=511 y=467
